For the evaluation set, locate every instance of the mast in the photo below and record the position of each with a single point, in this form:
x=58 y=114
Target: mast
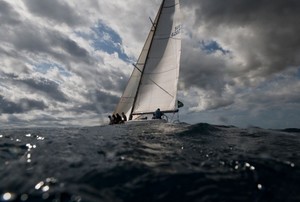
x=154 y=30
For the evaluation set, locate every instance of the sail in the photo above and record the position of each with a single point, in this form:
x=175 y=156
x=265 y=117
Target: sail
x=153 y=83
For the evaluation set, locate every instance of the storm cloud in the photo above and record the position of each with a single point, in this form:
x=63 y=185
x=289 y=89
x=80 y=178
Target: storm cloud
x=48 y=87
x=57 y=11
x=23 y=105
x=271 y=38
x=234 y=48
x=8 y=14
x=263 y=34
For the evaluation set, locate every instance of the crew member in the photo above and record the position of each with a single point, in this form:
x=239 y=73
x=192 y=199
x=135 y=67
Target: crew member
x=158 y=114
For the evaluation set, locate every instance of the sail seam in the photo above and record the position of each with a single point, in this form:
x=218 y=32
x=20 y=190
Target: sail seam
x=161 y=72
x=165 y=38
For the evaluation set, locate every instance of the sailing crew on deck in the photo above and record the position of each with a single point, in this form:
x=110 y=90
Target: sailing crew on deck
x=158 y=114
x=118 y=118
x=114 y=119
x=124 y=117
x=111 y=120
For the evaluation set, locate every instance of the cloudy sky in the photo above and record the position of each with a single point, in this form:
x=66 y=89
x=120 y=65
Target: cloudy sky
x=67 y=62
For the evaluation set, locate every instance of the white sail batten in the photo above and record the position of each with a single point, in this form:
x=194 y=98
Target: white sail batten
x=153 y=83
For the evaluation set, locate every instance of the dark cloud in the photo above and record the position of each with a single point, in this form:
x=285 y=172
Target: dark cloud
x=47 y=87
x=203 y=71
x=219 y=103
x=113 y=80
x=56 y=10
x=273 y=44
x=33 y=43
x=8 y=15
x=71 y=47
x=99 y=101
x=208 y=73
x=290 y=96
x=30 y=38
x=260 y=38
x=36 y=39
x=23 y=105
x=44 y=86
x=247 y=12
x=41 y=40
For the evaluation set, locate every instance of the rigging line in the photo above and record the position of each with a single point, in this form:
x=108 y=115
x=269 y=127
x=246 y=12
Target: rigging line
x=154 y=82
x=137 y=68
x=161 y=88
x=153 y=24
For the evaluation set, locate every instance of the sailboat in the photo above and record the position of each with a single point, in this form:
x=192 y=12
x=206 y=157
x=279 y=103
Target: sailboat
x=153 y=82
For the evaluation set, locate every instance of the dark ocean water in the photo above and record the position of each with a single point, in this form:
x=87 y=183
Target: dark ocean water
x=152 y=162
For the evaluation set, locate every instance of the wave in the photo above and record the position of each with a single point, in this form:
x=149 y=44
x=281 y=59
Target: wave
x=150 y=162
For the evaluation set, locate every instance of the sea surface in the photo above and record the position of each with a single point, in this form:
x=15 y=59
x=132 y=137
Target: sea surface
x=150 y=162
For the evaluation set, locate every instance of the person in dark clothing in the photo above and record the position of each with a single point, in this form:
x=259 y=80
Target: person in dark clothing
x=118 y=118
x=158 y=114
x=124 y=117
x=111 y=120
x=114 y=119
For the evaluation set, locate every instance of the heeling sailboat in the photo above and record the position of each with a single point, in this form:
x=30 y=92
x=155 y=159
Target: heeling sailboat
x=153 y=82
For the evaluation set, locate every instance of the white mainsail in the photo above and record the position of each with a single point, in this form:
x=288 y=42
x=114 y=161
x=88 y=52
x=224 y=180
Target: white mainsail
x=153 y=83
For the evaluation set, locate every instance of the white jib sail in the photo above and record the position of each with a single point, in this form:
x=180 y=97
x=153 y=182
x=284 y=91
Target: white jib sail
x=153 y=83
